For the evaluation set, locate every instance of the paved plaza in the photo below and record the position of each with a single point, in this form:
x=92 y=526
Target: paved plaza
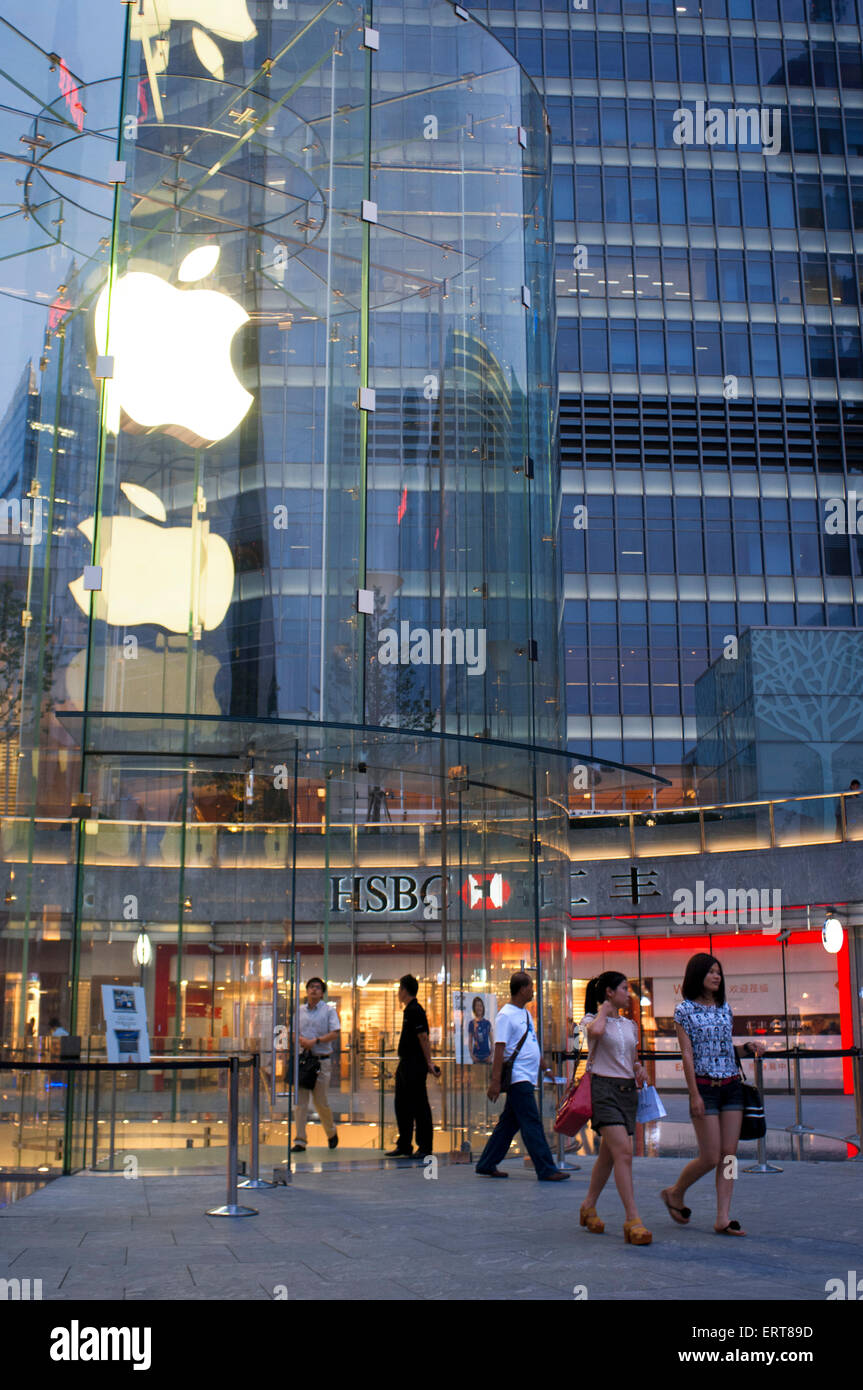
x=391 y=1232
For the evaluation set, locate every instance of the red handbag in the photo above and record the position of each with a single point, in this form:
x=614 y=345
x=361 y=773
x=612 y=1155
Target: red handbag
x=576 y=1108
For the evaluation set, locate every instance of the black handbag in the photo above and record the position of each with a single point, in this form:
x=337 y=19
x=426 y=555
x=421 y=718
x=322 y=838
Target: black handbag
x=754 y=1124
x=308 y=1070
x=506 y=1069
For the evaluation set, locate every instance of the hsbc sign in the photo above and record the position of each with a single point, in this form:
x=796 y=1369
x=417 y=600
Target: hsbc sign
x=485 y=890
x=408 y=893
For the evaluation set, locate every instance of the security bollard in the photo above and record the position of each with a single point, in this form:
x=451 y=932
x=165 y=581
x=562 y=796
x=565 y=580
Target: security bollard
x=231 y=1207
x=560 y=1085
x=254 y=1180
x=798 y=1127
x=762 y=1166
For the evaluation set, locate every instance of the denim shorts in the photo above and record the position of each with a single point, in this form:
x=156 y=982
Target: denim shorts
x=726 y=1095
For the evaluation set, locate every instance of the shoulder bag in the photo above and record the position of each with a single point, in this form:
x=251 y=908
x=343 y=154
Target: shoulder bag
x=506 y=1069
x=308 y=1070
x=754 y=1124
x=576 y=1108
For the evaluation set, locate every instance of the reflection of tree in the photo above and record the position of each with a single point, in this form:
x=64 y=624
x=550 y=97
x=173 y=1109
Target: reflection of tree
x=806 y=685
x=394 y=698
x=12 y=671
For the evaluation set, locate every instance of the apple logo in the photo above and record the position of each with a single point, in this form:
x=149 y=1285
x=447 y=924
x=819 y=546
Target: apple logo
x=176 y=577
x=152 y=19
x=172 y=354
x=154 y=681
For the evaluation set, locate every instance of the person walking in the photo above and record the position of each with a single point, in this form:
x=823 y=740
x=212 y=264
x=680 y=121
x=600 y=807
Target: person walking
x=319 y=1026
x=615 y=1076
x=705 y=1033
x=515 y=1040
x=415 y=1064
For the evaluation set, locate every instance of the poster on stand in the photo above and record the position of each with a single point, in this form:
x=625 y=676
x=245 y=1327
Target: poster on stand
x=473 y=1015
x=126 y=1031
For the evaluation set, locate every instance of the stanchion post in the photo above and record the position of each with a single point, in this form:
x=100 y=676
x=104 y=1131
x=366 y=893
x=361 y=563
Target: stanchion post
x=559 y=1089
x=231 y=1208
x=798 y=1126
x=381 y=1097
x=95 y=1160
x=762 y=1166
x=254 y=1180
x=113 y=1121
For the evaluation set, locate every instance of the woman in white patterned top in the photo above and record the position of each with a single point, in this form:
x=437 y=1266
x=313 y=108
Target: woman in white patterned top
x=614 y=1074
x=705 y=1033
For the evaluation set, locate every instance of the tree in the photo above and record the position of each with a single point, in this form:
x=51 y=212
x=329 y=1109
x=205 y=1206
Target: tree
x=13 y=675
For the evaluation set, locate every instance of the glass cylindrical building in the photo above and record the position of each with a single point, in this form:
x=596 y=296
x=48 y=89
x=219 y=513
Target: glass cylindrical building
x=279 y=364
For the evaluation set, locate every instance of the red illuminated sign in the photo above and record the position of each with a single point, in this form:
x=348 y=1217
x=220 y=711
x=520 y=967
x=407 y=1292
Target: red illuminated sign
x=69 y=88
x=485 y=890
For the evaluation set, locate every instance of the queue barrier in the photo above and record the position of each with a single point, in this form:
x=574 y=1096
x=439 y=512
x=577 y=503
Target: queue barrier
x=231 y=1064
x=795 y=1055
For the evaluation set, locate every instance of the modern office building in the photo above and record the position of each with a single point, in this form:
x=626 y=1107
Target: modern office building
x=708 y=177
x=344 y=651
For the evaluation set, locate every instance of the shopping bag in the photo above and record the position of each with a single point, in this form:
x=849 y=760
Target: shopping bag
x=650 y=1107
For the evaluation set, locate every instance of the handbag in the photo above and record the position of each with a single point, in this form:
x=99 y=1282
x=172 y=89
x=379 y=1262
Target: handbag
x=754 y=1124
x=308 y=1070
x=506 y=1069
x=650 y=1107
x=576 y=1108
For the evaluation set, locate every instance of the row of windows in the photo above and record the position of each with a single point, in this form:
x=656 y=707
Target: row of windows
x=770 y=11
x=670 y=58
x=739 y=350
x=699 y=198
x=716 y=548
x=654 y=433
x=704 y=276
x=639 y=123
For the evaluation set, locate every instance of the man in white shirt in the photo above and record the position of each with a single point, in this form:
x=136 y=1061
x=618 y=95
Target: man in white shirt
x=319 y=1026
x=515 y=1040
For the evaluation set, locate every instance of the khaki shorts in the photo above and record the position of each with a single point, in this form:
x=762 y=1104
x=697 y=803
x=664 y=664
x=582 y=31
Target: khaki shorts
x=614 y=1102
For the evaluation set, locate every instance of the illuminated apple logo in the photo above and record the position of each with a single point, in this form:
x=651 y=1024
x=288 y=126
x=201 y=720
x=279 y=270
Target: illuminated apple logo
x=172 y=354
x=152 y=19
x=176 y=577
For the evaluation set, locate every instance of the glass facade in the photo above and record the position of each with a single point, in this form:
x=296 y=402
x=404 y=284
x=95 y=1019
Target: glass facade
x=282 y=624
x=709 y=342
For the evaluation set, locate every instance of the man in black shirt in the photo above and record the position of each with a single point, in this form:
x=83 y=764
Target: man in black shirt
x=415 y=1063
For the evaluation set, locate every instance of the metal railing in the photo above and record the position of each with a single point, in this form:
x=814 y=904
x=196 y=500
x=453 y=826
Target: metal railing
x=793 y=1054
x=231 y=1065
x=826 y=818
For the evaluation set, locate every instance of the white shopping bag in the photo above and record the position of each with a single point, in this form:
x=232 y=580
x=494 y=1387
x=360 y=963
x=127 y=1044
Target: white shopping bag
x=650 y=1107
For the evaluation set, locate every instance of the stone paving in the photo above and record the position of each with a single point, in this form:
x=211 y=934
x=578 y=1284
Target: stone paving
x=392 y=1233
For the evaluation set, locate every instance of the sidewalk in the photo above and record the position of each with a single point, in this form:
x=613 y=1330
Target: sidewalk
x=396 y=1234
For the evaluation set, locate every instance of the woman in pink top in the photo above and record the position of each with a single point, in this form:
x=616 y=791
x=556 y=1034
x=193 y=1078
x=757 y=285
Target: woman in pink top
x=615 y=1072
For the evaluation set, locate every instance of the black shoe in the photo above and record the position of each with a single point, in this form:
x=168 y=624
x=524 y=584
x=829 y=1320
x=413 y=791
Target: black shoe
x=492 y=1173
x=555 y=1177
x=333 y=1142
x=421 y=1155
x=398 y=1153
x=298 y=1148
